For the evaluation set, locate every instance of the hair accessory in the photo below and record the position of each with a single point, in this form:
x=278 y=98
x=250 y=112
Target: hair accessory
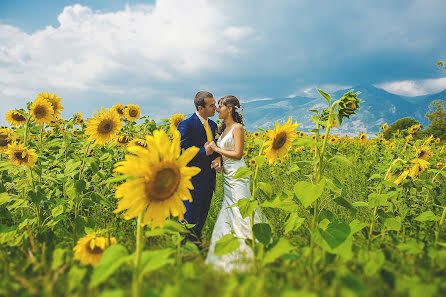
x=239 y=109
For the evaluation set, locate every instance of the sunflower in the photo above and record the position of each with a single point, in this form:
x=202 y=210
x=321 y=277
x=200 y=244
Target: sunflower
x=15 y=118
x=418 y=167
x=57 y=120
x=161 y=179
x=313 y=137
x=89 y=249
x=41 y=111
x=392 y=144
x=301 y=133
x=79 y=119
x=119 y=109
x=132 y=112
x=322 y=137
x=437 y=140
x=122 y=140
x=332 y=140
x=401 y=177
x=362 y=137
x=175 y=119
x=138 y=142
x=335 y=124
x=414 y=129
x=53 y=100
x=279 y=140
x=74 y=132
x=440 y=165
x=256 y=134
x=104 y=127
x=409 y=137
x=19 y=155
x=252 y=162
x=245 y=153
x=424 y=153
x=299 y=149
x=6 y=138
x=384 y=127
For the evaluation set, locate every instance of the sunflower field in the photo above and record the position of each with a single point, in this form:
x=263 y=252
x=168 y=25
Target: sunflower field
x=94 y=207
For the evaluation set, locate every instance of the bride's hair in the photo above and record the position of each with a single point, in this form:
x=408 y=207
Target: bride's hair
x=230 y=101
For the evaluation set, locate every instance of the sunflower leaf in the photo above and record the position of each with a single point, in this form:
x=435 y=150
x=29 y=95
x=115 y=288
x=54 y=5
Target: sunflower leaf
x=242 y=172
x=307 y=192
x=112 y=259
x=227 y=244
x=325 y=95
x=246 y=206
x=281 y=247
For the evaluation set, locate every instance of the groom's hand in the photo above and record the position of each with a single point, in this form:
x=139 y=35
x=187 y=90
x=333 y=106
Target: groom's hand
x=209 y=150
x=216 y=164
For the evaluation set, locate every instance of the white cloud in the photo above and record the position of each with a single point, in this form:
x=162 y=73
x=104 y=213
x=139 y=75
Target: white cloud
x=140 y=53
x=414 y=87
x=311 y=91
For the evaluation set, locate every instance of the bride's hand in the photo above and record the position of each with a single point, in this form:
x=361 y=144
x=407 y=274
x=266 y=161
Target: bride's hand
x=213 y=145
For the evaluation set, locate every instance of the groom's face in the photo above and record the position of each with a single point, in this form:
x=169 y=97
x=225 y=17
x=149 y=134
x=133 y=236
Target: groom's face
x=209 y=108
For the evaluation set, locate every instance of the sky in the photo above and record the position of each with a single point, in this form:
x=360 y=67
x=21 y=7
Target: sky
x=158 y=54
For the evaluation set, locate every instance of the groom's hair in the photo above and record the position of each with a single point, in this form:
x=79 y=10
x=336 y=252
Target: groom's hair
x=199 y=98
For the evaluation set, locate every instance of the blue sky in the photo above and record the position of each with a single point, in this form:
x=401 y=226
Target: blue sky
x=158 y=54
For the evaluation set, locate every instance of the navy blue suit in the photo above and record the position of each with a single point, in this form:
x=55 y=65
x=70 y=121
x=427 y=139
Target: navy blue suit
x=193 y=134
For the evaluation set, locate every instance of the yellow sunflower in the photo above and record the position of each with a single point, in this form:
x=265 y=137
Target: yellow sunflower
x=401 y=177
x=132 y=112
x=19 y=155
x=41 y=111
x=299 y=149
x=104 y=127
x=245 y=153
x=256 y=134
x=279 y=140
x=392 y=144
x=252 y=162
x=175 y=119
x=440 y=165
x=363 y=137
x=437 y=140
x=424 y=153
x=79 y=119
x=89 y=249
x=332 y=140
x=415 y=128
x=15 y=118
x=313 y=137
x=122 y=140
x=409 y=137
x=54 y=100
x=322 y=137
x=119 y=109
x=138 y=142
x=6 y=138
x=161 y=179
x=301 y=133
x=57 y=120
x=418 y=167
x=385 y=127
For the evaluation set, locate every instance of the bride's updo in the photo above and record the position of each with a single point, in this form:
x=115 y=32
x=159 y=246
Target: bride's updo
x=231 y=101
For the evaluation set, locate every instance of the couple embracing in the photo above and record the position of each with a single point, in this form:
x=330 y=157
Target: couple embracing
x=222 y=155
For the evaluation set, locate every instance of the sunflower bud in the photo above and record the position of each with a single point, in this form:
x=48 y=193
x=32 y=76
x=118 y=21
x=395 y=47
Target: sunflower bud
x=348 y=104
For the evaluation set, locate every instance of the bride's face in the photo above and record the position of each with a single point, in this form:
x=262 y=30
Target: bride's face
x=223 y=111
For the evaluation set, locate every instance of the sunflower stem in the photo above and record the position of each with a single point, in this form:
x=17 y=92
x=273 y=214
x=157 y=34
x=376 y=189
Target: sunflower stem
x=83 y=160
x=26 y=131
x=136 y=285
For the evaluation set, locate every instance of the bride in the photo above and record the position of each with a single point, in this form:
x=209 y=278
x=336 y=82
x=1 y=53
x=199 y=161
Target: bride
x=229 y=221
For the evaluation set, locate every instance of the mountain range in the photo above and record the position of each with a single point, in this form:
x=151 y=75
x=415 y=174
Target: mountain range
x=379 y=107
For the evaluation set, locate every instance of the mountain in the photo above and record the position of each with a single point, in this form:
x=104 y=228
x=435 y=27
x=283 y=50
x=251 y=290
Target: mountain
x=379 y=107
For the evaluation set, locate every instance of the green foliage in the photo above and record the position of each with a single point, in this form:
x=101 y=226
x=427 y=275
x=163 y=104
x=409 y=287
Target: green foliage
x=437 y=116
x=402 y=126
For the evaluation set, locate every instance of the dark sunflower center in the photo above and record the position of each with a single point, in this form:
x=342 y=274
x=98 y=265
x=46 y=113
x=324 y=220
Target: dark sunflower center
x=4 y=141
x=105 y=127
x=96 y=250
x=18 y=156
x=166 y=183
x=40 y=112
x=133 y=113
x=124 y=139
x=120 y=110
x=18 y=117
x=423 y=154
x=141 y=143
x=352 y=105
x=279 y=141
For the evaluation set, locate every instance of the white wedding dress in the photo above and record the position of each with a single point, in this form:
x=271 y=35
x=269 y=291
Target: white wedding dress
x=229 y=220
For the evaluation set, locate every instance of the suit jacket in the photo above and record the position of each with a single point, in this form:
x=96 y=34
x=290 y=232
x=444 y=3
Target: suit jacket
x=193 y=134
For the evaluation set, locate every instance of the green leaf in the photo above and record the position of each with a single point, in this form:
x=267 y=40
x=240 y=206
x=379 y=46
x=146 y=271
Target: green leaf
x=375 y=262
x=345 y=203
x=393 y=223
x=325 y=95
x=80 y=186
x=377 y=200
x=375 y=176
x=342 y=160
x=71 y=166
x=227 y=244
x=292 y=169
x=153 y=260
x=360 y=204
x=336 y=233
x=59 y=257
x=262 y=231
x=411 y=247
x=4 y=198
x=246 y=206
x=282 y=201
x=260 y=160
x=242 y=172
x=112 y=259
x=76 y=276
x=265 y=188
x=58 y=210
x=314 y=110
x=115 y=179
x=307 y=192
x=427 y=216
x=282 y=247
x=293 y=223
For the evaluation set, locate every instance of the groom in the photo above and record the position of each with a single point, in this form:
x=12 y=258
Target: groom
x=198 y=130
